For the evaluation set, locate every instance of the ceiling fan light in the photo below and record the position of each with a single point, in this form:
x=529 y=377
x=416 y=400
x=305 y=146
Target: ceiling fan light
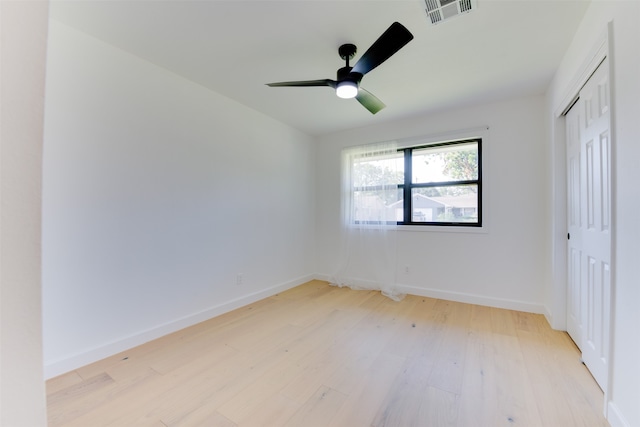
x=347 y=89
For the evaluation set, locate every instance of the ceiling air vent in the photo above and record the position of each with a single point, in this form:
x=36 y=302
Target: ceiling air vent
x=441 y=10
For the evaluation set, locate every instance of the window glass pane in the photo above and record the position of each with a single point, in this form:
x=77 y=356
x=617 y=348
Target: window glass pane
x=377 y=205
x=457 y=203
x=457 y=162
x=369 y=172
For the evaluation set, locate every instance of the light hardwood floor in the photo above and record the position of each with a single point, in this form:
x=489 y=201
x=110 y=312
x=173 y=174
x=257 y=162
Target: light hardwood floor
x=317 y=355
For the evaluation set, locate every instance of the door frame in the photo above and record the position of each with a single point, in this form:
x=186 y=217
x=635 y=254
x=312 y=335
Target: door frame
x=559 y=262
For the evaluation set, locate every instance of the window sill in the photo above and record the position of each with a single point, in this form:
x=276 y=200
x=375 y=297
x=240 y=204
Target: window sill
x=444 y=229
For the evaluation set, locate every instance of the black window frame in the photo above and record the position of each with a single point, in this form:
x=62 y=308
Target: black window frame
x=408 y=186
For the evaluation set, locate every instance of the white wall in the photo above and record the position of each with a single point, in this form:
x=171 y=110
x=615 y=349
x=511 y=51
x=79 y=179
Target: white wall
x=503 y=266
x=157 y=193
x=623 y=394
x=23 y=31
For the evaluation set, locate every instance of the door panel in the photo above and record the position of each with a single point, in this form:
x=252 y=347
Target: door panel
x=589 y=281
x=574 y=208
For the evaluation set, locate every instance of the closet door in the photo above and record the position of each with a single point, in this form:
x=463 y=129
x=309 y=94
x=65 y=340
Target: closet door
x=590 y=228
x=575 y=303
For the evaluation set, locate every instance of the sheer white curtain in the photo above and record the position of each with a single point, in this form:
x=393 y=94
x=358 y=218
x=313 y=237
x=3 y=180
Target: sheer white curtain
x=371 y=205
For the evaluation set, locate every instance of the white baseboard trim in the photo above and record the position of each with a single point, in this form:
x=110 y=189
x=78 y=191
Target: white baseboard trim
x=467 y=298
x=474 y=299
x=74 y=361
x=615 y=417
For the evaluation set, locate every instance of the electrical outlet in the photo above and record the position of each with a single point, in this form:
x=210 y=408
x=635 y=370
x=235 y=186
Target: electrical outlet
x=239 y=279
x=406 y=269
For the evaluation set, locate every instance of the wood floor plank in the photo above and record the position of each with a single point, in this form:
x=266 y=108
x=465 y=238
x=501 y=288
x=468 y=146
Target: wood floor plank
x=307 y=291
x=401 y=406
x=79 y=389
x=438 y=408
x=448 y=366
x=516 y=401
x=210 y=350
x=502 y=321
x=91 y=405
x=84 y=402
x=254 y=396
x=364 y=401
x=203 y=416
x=408 y=318
x=63 y=381
x=480 y=321
x=277 y=410
x=478 y=401
x=318 y=355
x=319 y=409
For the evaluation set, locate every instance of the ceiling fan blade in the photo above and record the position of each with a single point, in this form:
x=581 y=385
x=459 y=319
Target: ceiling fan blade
x=305 y=83
x=391 y=41
x=369 y=101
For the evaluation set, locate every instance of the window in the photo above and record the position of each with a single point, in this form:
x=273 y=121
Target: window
x=377 y=177
x=435 y=184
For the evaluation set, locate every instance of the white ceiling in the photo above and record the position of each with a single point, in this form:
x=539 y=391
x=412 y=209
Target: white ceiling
x=502 y=49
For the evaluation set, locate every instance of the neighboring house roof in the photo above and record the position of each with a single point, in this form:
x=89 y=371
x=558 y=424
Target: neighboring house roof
x=426 y=202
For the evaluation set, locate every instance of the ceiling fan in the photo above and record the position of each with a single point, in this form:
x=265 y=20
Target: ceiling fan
x=348 y=80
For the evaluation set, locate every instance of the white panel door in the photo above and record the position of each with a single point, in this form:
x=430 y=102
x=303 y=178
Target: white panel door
x=590 y=241
x=575 y=312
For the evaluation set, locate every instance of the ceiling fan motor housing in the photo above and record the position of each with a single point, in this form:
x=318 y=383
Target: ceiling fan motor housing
x=345 y=73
